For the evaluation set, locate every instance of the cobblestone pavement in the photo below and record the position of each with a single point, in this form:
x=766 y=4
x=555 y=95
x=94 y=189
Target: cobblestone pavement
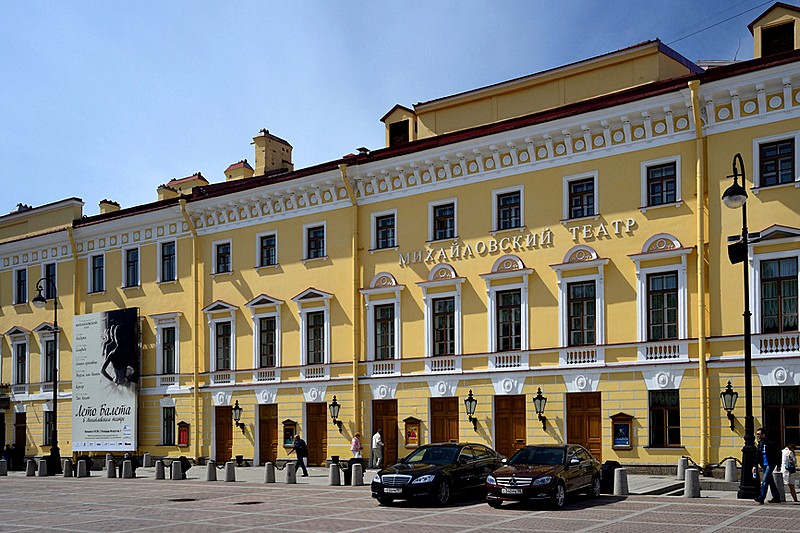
x=143 y=504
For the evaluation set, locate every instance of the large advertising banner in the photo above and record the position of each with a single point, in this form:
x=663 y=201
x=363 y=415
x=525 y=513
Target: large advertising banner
x=105 y=379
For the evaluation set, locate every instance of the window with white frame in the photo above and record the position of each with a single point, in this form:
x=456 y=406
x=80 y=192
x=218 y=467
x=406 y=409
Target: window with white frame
x=168 y=349
x=384 y=230
x=775 y=159
x=314 y=241
x=48 y=360
x=661 y=182
x=130 y=272
x=20 y=351
x=383 y=317
x=507 y=292
x=223 y=345
x=581 y=311
x=443 y=326
x=443 y=320
x=49 y=273
x=167 y=342
x=507 y=209
x=580 y=196
x=267 y=252
x=315 y=326
x=97 y=273
x=222 y=335
x=266 y=316
x=222 y=257
x=167 y=265
x=508 y=315
x=774 y=291
x=442 y=217
x=21 y=286
x=581 y=301
x=267 y=341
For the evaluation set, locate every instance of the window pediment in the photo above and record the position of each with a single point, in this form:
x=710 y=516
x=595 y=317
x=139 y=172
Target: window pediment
x=441 y=275
x=381 y=283
x=507 y=266
x=660 y=246
x=263 y=300
x=220 y=306
x=17 y=333
x=578 y=257
x=312 y=295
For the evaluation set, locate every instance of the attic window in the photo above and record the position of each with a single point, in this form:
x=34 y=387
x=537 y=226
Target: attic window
x=777 y=39
x=398 y=133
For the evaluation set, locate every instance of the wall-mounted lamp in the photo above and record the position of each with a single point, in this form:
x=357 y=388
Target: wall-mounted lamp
x=237 y=415
x=334 y=409
x=729 y=397
x=471 y=403
x=539 y=403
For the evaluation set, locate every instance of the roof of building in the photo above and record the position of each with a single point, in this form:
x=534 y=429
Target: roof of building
x=771 y=8
x=241 y=164
x=178 y=181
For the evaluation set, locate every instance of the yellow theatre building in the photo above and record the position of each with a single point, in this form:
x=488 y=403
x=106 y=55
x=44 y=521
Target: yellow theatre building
x=559 y=234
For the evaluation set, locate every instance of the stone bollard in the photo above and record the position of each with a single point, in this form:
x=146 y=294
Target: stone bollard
x=30 y=468
x=82 y=470
x=111 y=469
x=127 y=469
x=335 y=476
x=269 y=473
x=230 y=471
x=66 y=467
x=159 y=470
x=620 y=482
x=691 y=483
x=779 y=483
x=683 y=464
x=291 y=475
x=3 y=467
x=109 y=457
x=175 y=470
x=42 y=470
x=211 y=471
x=357 y=478
x=730 y=469
x=147 y=461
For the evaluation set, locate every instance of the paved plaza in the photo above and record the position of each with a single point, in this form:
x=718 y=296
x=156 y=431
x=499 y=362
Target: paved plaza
x=143 y=504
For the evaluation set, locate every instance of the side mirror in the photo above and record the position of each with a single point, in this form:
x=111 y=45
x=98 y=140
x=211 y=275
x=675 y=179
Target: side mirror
x=504 y=461
x=574 y=461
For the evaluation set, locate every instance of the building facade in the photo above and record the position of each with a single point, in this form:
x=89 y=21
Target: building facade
x=560 y=234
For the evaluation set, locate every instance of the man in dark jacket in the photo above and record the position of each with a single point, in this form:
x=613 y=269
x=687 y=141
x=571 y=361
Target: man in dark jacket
x=301 y=449
x=769 y=456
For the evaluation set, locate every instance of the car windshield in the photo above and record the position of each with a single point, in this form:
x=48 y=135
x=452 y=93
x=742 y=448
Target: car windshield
x=538 y=456
x=438 y=455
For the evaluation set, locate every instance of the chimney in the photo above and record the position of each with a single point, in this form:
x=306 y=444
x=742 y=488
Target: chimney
x=238 y=171
x=108 y=206
x=165 y=192
x=272 y=153
x=179 y=186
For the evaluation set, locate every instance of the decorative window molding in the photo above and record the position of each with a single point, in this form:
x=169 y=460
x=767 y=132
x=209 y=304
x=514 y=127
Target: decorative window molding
x=431 y=218
x=131 y=267
x=162 y=321
x=496 y=194
x=309 y=301
x=97 y=272
x=46 y=334
x=221 y=264
x=755 y=261
x=306 y=251
x=20 y=286
x=504 y=268
x=164 y=261
x=217 y=313
x=793 y=136
x=382 y=285
x=271 y=260
x=264 y=306
x=645 y=167
x=374 y=237
x=20 y=346
x=50 y=271
x=440 y=278
x=565 y=202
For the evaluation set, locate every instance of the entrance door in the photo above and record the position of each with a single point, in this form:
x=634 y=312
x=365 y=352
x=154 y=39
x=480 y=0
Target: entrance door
x=509 y=423
x=317 y=433
x=2 y=431
x=20 y=430
x=223 y=431
x=444 y=419
x=384 y=417
x=583 y=422
x=267 y=433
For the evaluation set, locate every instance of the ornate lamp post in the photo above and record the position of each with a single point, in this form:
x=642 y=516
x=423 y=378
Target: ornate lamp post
x=39 y=301
x=728 y=397
x=470 y=403
x=334 y=408
x=734 y=197
x=237 y=415
x=539 y=403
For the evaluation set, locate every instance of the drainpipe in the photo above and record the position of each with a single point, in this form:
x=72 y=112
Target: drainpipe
x=76 y=285
x=195 y=327
x=356 y=297
x=702 y=257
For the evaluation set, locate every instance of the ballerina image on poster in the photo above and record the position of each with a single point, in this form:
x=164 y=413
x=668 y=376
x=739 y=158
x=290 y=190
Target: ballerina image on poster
x=120 y=347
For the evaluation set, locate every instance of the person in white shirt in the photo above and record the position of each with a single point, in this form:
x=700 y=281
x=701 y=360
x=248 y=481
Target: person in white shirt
x=377 y=449
x=788 y=468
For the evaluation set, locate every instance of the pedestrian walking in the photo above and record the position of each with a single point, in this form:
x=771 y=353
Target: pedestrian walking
x=769 y=457
x=377 y=449
x=788 y=468
x=300 y=448
x=355 y=446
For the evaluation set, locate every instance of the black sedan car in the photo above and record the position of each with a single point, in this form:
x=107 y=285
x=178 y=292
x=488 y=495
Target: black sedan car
x=544 y=473
x=436 y=472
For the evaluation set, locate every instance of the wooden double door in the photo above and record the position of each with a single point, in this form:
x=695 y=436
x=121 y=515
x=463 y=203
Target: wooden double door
x=384 y=417
x=509 y=423
x=317 y=433
x=267 y=433
x=223 y=433
x=584 y=424
x=444 y=419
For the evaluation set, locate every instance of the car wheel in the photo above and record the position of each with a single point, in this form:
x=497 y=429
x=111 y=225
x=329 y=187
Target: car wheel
x=495 y=504
x=442 y=493
x=594 y=489
x=383 y=500
x=559 y=496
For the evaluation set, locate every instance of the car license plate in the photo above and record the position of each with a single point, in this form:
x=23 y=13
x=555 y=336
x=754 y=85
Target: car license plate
x=505 y=490
x=391 y=490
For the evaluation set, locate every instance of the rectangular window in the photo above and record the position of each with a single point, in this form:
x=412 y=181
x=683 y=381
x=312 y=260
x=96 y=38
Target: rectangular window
x=20 y=286
x=662 y=306
x=581 y=198
x=384 y=232
x=398 y=133
x=222 y=254
x=781 y=406
x=21 y=371
x=168 y=426
x=776 y=160
x=315 y=337
x=50 y=284
x=267 y=341
x=508 y=211
x=315 y=242
x=444 y=221
x=661 y=184
x=98 y=273
x=132 y=267
x=168 y=272
x=509 y=316
x=267 y=250
x=384 y=332
x=444 y=326
x=168 y=350
x=665 y=419
x=47 y=428
x=779 y=295
x=49 y=359
x=223 y=345
x=581 y=313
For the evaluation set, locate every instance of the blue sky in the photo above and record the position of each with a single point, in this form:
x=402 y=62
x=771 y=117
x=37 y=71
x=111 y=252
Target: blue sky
x=111 y=99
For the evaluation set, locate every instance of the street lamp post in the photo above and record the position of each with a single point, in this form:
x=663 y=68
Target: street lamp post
x=734 y=197
x=39 y=301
